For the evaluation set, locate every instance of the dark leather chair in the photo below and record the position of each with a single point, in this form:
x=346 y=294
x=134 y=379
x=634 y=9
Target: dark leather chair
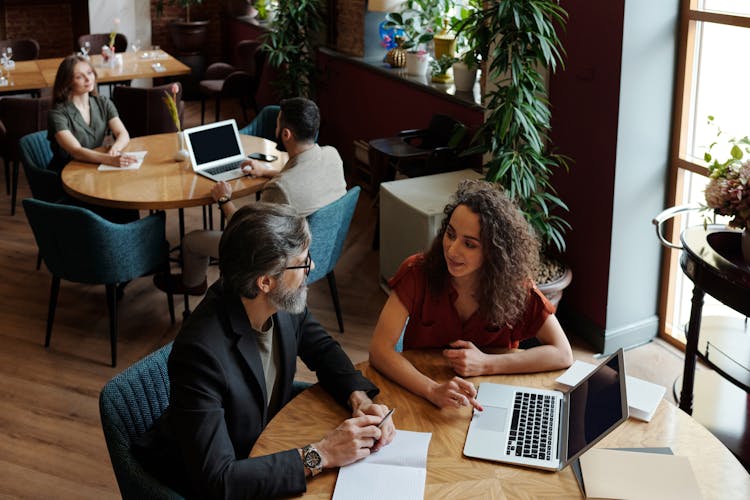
x=99 y=40
x=24 y=49
x=143 y=110
x=19 y=116
x=224 y=80
x=419 y=152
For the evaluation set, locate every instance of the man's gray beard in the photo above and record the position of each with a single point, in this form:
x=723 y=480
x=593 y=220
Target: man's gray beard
x=288 y=299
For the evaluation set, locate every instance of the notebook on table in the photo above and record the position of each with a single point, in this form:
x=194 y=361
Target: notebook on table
x=548 y=429
x=216 y=150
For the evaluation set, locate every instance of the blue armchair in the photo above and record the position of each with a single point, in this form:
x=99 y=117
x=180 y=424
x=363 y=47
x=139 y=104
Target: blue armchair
x=264 y=124
x=77 y=245
x=36 y=154
x=129 y=404
x=329 y=227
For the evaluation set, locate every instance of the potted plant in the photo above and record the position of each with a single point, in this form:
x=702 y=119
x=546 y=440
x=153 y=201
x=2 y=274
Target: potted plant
x=517 y=122
x=291 y=44
x=188 y=35
x=473 y=43
x=415 y=35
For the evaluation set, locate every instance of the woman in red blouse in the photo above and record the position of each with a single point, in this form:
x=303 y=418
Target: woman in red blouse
x=472 y=289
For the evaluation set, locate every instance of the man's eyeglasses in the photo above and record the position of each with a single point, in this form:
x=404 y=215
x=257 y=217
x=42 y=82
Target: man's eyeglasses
x=306 y=266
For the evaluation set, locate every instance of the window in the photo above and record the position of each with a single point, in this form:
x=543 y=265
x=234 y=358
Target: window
x=712 y=80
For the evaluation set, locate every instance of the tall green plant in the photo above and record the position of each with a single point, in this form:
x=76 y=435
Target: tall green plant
x=291 y=44
x=515 y=132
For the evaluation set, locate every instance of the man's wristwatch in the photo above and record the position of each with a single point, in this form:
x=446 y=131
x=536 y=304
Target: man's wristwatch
x=312 y=460
x=223 y=199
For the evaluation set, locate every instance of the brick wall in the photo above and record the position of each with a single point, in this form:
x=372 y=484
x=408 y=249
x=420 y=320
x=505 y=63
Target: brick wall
x=54 y=33
x=350 y=27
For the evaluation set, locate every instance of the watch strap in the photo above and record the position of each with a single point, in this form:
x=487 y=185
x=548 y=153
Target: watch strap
x=222 y=200
x=312 y=460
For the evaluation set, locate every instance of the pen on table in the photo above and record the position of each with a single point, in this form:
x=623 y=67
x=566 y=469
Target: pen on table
x=390 y=412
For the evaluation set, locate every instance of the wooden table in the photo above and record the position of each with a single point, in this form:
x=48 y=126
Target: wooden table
x=161 y=182
x=40 y=73
x=309 y=416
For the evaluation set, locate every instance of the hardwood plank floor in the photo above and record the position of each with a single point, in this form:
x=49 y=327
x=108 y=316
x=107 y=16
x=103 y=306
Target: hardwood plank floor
x=51 y=443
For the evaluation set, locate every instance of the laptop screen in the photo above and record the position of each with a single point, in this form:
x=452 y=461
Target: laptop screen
x=215 y=143
x=596 y=405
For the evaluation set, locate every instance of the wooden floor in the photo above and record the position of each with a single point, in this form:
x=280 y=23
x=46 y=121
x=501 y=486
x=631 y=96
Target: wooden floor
x=51 y=443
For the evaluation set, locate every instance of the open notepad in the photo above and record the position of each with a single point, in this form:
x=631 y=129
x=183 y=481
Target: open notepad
x=397 y=471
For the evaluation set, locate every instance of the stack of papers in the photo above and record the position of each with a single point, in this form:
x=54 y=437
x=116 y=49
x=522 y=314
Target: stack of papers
x=643 y=396
x=139 y=155
x=397 y=471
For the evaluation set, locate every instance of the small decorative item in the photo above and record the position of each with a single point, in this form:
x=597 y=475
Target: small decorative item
x=170 y=99
x=396 y=57
x=440 y=68
x=728 y=190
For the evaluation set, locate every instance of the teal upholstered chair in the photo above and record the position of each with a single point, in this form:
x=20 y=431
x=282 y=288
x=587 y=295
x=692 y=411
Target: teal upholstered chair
x=129 y=404
x=329 y=227
x=77 y=245
x=36 y=154
x=264 y=124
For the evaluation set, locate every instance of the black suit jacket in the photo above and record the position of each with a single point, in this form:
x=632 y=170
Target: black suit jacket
x=217 y=409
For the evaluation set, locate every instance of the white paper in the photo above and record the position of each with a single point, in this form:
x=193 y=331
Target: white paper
x=643 y=476
x=643 y=396
x=139 y=155
x=396 y=472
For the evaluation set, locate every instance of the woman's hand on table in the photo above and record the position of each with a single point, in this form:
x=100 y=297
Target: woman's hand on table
x=465 y=358
x=119 y=159
x=455 y=393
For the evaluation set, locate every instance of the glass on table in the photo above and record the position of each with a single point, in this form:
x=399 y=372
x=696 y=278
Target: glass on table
x=136 y=46
x=85 y=49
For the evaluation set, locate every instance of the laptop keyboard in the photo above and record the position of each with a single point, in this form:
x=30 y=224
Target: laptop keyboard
x=531 y=428
x=224 y=168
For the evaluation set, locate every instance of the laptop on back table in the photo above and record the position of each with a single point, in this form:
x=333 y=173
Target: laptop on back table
x=216 y=150
x=548 y=429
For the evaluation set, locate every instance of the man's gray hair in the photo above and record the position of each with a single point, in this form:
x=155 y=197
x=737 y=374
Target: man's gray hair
x=259 y=240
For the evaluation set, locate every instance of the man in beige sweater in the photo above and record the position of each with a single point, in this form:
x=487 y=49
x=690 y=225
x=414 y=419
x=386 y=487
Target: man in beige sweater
x=311 y=179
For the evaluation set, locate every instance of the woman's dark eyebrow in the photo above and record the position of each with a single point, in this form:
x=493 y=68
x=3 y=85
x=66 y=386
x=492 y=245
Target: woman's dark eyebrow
x=450 y=227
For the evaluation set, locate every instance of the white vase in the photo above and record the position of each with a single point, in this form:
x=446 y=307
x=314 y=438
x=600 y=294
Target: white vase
x=417 y=63
x=463 y=77
x=745 y=240
x=181 y=154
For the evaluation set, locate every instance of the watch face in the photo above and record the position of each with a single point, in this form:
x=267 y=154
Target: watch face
x=312 y=458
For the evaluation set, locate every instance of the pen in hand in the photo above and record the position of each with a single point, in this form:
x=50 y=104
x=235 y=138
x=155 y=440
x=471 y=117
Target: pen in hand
x=390 y=412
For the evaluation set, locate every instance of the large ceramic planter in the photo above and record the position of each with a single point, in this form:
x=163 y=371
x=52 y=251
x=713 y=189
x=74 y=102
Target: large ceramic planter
x=463 y=77
x=553 y=290
x=189 y=37
x=417 y=63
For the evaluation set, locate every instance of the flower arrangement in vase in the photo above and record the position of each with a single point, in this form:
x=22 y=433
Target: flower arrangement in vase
x=728 y=189
x=170 y=100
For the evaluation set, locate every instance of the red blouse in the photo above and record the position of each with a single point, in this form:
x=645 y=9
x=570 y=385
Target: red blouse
x=434 y=322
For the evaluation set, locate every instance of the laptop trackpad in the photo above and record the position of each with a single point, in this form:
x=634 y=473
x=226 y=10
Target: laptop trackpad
x=493 y=418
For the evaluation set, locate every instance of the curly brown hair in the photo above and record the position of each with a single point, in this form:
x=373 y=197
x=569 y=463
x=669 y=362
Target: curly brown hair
x=64 y=78
x=510 y=250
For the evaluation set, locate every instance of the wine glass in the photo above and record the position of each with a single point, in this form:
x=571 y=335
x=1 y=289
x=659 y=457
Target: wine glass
x=136 y=46
x=85 y=49
x=9 y=56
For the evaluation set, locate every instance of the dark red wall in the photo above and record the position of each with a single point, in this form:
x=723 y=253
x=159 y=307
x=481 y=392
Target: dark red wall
x=585 y=103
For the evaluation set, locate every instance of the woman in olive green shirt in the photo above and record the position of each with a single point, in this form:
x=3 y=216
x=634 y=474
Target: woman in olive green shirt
x=79 y=119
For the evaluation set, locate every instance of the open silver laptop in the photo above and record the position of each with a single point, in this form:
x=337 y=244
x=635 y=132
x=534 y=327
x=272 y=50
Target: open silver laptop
x=548 y=429
x=216 y=150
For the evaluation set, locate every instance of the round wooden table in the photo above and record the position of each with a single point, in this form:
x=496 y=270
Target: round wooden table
x=313 y=413
x=160 y=183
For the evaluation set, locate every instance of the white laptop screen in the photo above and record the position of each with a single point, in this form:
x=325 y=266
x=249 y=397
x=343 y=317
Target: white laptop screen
x=215 y=143
x=597 y=405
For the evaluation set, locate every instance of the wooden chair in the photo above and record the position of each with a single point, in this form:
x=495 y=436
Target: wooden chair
x=24 y=49
x=224 y=80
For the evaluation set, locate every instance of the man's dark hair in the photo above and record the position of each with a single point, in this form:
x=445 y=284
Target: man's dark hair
x=259 y=240
x=302 y=117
